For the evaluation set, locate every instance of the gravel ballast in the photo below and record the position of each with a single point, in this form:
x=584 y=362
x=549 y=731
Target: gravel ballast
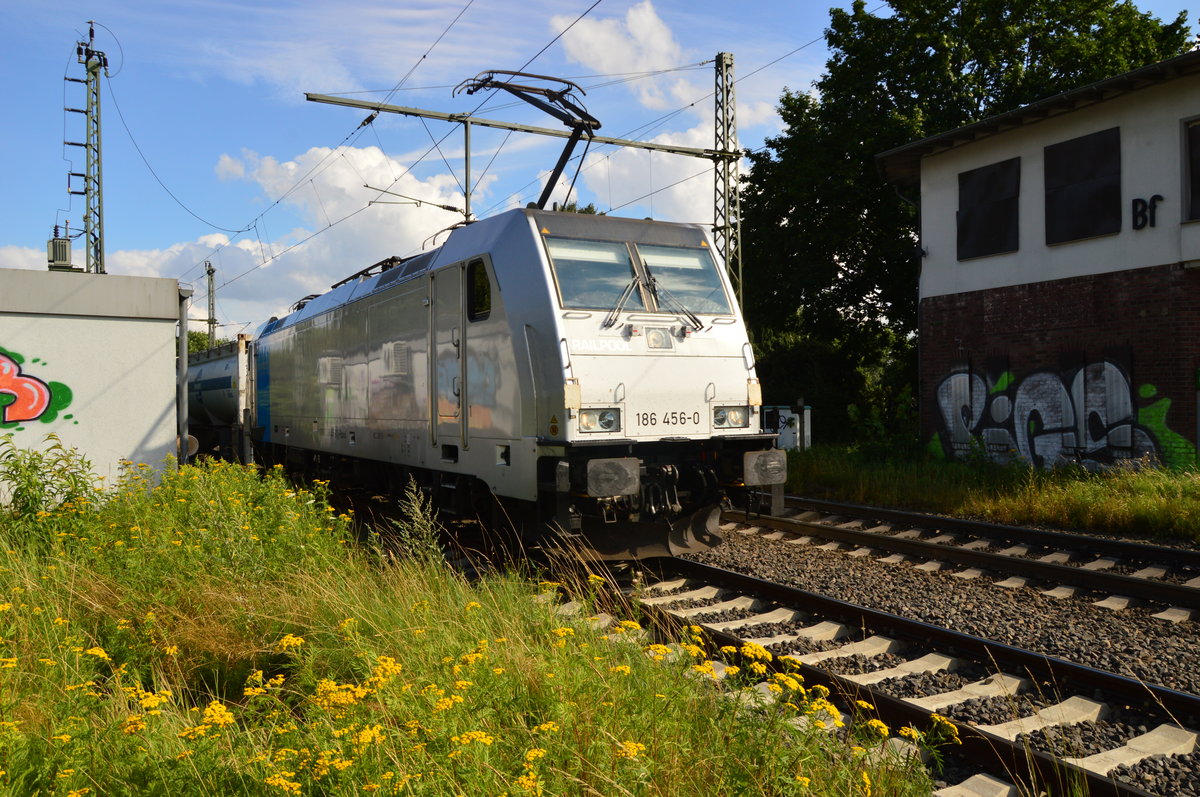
x=1130 y=641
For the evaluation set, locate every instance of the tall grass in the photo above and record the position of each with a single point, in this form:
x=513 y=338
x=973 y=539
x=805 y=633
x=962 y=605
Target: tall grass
x=217 y=631
x=1131 y=500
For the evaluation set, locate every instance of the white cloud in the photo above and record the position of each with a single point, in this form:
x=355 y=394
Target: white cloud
x=640 y=42
x=364 y=44
x=229 y=168
x=339 y=233
x=22 y=257
x=756 y=113
x=629 y=178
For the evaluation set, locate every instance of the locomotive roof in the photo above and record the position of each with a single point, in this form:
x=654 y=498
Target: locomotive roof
x=550 y=222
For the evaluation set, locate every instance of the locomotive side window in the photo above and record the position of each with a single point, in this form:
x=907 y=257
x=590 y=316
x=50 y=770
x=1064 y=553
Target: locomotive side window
x=592 y=275
x=690 y=275
x=479 y=291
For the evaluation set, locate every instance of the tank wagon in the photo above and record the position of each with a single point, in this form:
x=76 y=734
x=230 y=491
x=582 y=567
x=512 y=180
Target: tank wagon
x=592 y=370
x=219 y=399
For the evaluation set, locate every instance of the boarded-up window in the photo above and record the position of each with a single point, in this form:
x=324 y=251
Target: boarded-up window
x=1083 y=187
x=1193 y=155
x=987 y=209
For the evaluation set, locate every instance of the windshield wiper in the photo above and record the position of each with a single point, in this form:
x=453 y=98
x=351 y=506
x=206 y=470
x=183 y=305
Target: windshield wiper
x=656 y=288
x=614 y=313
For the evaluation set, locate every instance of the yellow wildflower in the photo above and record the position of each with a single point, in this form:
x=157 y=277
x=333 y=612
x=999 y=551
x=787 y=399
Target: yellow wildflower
x=280 y=781
x=373 y=733
x=529 y=782
x=386 y=667
x=630 y=749
x=472 y=736
x=217 y=714
x=98 y=652
x=878 y=727
x=755 y=652
x=288 y=642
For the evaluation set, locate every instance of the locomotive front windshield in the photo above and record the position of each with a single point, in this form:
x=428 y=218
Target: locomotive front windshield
x=690 y=275
x=594 y=275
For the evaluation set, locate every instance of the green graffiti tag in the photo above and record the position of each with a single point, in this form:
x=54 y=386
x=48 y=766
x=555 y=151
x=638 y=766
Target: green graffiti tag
x=1176 y=451
x=1003 y=382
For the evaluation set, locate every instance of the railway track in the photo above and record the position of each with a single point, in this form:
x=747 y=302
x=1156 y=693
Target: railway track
x=1027 y=715
x=834 y=632
x=1121 y=572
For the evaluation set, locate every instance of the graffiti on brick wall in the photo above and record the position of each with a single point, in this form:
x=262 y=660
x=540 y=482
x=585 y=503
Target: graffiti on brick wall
x=1088 y=416
x=25 y=397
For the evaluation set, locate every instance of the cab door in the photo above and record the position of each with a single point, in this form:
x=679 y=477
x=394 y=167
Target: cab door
x=448 y=385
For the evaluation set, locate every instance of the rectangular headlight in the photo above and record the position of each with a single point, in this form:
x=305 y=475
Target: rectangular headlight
x=601 y=420
x=731 y=417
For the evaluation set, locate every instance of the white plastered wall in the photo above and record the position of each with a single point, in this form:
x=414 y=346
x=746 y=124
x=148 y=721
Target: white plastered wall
x=1152 y=162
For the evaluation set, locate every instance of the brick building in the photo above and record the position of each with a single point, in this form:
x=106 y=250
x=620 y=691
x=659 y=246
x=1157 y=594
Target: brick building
x=1060 y=275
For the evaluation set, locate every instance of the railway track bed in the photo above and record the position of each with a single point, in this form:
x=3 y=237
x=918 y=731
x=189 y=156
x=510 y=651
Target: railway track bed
x=1114 y=694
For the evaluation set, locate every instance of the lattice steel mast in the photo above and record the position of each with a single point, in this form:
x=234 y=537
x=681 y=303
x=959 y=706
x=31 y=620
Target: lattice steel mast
x=93 y=222
x=727 y=217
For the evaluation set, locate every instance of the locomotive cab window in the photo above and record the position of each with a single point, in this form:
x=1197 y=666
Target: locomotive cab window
x=592 y=275
x=689 y=275
x=479 y=291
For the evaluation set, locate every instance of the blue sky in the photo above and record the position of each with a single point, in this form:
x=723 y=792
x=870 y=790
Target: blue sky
x=206 y=131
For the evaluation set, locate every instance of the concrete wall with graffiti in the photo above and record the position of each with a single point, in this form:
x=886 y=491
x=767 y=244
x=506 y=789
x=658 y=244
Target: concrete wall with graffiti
x=92 y=359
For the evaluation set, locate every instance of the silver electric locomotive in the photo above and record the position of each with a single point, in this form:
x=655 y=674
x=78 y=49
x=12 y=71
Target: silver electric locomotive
x=592 y=370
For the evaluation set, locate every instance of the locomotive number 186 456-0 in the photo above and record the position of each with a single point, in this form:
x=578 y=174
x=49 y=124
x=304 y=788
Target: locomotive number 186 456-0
x=668 y=418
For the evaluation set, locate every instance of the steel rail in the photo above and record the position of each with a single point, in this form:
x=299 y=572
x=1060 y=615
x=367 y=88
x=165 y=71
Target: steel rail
x=995 y=754
x=1164 y=592
x=1126 y=549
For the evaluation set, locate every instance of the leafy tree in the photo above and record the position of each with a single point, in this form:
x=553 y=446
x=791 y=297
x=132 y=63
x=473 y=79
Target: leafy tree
x=575 y=207
x=198 y=341
x=831 y=257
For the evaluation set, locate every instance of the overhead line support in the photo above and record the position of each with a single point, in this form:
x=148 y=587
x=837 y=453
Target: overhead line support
x=724 y=155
